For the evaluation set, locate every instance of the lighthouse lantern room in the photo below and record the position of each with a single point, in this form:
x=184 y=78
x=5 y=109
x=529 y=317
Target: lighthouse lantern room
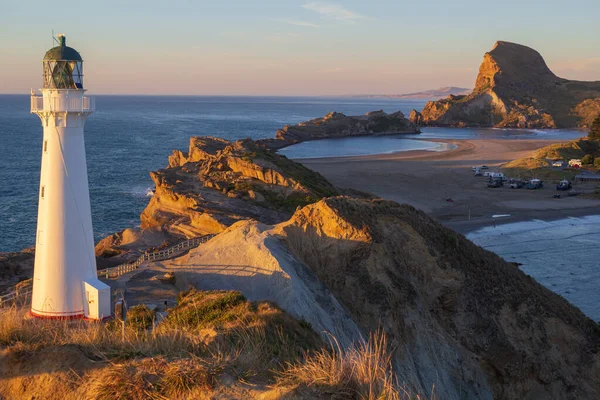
x=65 y=283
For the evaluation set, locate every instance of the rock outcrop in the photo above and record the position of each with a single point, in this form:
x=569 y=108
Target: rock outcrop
x=337 y=125
x=515 y=88
x=416 y=118
x=218 y=182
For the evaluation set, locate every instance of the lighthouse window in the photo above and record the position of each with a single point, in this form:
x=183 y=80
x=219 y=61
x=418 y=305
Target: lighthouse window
x=45 y=146
x=63 y=74
x=43 y=190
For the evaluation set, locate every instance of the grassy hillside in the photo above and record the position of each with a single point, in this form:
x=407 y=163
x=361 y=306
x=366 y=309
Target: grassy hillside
x=210 y=344
x=540 y=162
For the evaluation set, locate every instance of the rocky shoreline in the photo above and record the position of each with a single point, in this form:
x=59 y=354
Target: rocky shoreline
x=338 y=125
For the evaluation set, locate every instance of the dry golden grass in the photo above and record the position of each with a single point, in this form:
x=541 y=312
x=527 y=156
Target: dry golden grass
x=363 y=371
x=186 y=355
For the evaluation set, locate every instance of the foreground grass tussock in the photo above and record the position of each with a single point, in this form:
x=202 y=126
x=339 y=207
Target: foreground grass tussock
x=362 y=371
x=210 y=343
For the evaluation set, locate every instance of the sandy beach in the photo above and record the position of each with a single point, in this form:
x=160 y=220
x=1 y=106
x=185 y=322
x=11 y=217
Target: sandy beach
x=426 y=180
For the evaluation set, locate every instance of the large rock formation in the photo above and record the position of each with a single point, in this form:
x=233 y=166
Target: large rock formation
x=515 y=88
x=336 y=125
x=461 y=319
x=218 y=182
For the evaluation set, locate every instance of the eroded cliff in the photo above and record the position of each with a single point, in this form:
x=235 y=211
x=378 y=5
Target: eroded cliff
x=218 y=182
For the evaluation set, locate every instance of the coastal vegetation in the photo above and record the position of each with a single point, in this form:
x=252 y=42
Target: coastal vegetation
x=539 y=164
x=211 y=343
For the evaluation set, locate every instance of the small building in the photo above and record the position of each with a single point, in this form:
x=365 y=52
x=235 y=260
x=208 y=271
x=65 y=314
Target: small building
x=558 y=163
x=575 y=163
x=587 y=178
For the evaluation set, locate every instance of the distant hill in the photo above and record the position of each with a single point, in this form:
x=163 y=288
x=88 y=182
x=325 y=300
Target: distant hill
x=433 y=94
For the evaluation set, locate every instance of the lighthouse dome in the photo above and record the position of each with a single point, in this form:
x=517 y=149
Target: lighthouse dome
x=63 y=67
x=62 y=52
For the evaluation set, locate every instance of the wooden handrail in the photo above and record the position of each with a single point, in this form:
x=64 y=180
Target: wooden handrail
x=25 y=288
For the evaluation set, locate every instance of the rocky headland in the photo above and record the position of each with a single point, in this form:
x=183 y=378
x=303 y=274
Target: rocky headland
x=338 y=125
x=516 y=89
x=218 y=182
x=460 y=318
x=215 y=184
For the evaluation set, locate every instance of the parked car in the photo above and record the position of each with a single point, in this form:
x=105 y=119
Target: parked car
x=495 y=183
x=515 y=184
x=535 y=184
x=564 y=185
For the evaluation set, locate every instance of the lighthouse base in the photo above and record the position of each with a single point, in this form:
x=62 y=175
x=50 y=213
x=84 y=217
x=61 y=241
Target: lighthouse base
x=58 y=316
x=33 y=315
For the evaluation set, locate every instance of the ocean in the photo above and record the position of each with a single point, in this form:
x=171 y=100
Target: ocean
x=562 y=255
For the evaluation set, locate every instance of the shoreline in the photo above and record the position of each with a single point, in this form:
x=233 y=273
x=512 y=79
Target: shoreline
x=437 y=150
x=426 y=179
x=464 y=227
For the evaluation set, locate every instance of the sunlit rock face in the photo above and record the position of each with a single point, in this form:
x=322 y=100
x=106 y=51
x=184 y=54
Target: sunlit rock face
x=218 y=182
x=515 y=88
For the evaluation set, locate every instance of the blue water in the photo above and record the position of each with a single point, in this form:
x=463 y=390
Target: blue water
x=129 y=136
x=360 y=146
x=562 y=255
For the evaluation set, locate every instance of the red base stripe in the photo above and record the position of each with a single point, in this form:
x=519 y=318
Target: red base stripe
x=67 y=317
x=43 y=316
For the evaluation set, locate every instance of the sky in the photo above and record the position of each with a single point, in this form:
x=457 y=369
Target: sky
x=289 y=47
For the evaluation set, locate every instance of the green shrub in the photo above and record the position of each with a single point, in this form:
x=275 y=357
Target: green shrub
x=597 y=162
x=140 y=317
x=595 y=129
x=199 y=309
x=588 y=159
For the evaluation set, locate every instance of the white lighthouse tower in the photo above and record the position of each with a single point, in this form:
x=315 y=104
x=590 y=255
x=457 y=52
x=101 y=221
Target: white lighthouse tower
x=65 y=283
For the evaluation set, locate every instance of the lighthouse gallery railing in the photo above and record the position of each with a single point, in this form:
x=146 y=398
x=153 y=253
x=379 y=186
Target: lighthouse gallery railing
x=63 y=104
x=22 y=291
